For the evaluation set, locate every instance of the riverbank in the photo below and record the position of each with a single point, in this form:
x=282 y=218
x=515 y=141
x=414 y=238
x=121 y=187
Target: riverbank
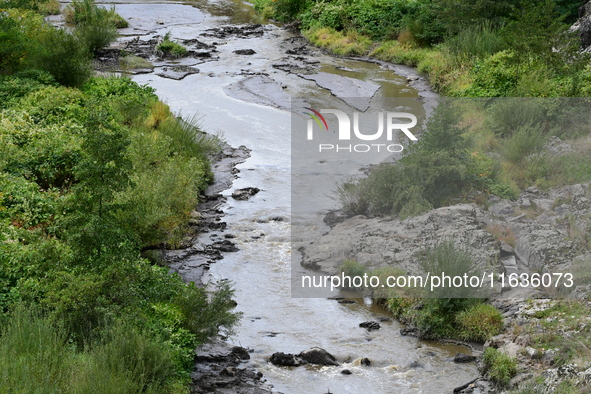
x=260 y=225
x=467 y=49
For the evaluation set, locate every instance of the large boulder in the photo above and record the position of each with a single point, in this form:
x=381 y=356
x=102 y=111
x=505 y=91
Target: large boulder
x=318 y=356
x=286 y=360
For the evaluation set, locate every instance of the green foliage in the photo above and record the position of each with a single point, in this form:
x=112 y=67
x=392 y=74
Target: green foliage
x=434 y=170
x=14 y=87
x=95 y=26
x=525 y=141
x=496 y=76
x=27 y=42
x=353 y=268
x=82 y=12
x=499 y=367
x=122 y=359
x=87 y=179
x=63 y=55
x=536 y=30
x=480 y=322
x=446 y=258
x=167 y=47
x=474 y=42
x=457 y=15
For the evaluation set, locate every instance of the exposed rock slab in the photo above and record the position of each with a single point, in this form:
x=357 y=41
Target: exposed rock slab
x=177 y=72
x=383 y=242
x=259 y=89
x=350 y=90
x=221 y=368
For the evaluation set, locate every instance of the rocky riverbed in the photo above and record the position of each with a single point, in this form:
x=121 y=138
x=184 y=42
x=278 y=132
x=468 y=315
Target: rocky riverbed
x=241 y=77
x=541 y=232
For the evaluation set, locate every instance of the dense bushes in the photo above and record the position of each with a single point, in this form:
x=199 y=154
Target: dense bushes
x=442 y=313
x=88 y=178
x=27 y=42
x=438 y=168
x=479 y=48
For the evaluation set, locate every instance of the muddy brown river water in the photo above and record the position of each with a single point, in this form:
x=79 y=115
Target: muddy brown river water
x=229 y=98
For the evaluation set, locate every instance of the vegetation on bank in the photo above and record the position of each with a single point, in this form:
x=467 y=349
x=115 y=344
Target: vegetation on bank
x=470 y=149
x=446 y=314
x=93 y=170
x=167 y=47
x=468 y=48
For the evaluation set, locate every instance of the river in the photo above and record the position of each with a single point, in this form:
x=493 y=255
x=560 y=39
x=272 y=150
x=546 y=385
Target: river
x=261 y=270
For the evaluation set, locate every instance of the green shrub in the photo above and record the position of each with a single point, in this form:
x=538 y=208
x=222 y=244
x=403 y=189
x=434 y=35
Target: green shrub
x=499 y=367
x=474 y=42
x=121 y=359
x=13 y=87
x=132 y=102
x=167 y=47
x=525 y=141
x=495 y=76
x=353 y=268
x=64 y=55
x=81 y=12
x=452 y=260
x=480 y=322
x=507 y=115
x=435 y=317
x=434 y=170
x=96 y=27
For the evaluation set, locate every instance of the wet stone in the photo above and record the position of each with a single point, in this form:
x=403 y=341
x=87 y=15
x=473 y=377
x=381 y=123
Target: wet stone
x=370 y=325
x=244 y=52
x=177 y=72
x=245 y=194
x=462 y=358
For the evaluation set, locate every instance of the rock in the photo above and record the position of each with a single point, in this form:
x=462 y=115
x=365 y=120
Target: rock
x=245 y=194
x=394 y=243
x=246 y=31
x=220 y=365
x=346 y=372
x=354 y=92
x=260 y=89
x=366 y=362
x=244 y=52
x=532 y=353
x=177 y=72
x=506 y=249
x=334 y=217
x=465 y=388
x=583 y=26
x=557 y=147
x=370 y=325
x=225 y=246
x=286 y=360
x=410 y=331
x=549 y=356
x=462 y=358
x=318 y=356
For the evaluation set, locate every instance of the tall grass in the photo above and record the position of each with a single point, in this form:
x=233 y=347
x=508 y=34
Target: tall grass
x=95 y=26
x=36 y=357
x=339 y=43
x=525 y=141
x=473 y=42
